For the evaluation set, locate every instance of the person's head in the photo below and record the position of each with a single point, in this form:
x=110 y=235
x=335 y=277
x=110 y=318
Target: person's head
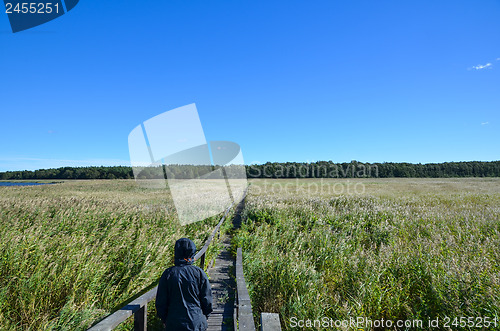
x=185 y=249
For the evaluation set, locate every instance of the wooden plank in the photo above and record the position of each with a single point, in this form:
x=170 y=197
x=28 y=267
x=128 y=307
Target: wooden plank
x=270 y=322
x=235 y=321
x=223 y=288
x=245 y=315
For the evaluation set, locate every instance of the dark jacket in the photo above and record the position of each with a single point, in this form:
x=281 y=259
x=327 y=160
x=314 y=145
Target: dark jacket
x=184 y=297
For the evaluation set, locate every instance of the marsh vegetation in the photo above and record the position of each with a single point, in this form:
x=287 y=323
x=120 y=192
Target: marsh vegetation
x=401 y=249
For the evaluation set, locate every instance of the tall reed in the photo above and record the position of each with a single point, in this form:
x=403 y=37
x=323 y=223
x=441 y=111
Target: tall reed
x=71 y=252
x=402 y=250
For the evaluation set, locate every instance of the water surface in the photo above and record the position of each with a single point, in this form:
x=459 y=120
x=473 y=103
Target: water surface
x=21 y=184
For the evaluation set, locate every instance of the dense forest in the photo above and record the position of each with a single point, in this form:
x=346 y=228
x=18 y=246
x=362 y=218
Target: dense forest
x=321 y=169
x=355 y=169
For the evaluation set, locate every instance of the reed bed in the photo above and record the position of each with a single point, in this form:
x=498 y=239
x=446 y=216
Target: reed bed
x=72 y=252
x=406 y=249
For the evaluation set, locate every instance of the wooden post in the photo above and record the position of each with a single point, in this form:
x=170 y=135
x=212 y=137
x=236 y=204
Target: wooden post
x=141 y=319
x=202 y=261
x=270 y=322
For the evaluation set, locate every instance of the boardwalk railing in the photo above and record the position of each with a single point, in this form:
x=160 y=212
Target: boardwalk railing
x=138 y=307
x=243 y=311
x=243 y=315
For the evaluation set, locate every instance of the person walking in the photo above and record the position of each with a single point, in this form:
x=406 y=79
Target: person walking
x=184 y=297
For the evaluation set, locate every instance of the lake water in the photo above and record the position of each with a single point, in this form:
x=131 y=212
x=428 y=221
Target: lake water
x=21 y=184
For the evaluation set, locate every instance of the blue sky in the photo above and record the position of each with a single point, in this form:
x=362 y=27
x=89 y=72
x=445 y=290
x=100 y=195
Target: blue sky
x=374 y=81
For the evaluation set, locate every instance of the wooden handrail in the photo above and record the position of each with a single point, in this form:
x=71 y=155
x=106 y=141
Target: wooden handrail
x=138 y=307
x=243 y=315
x=244 y=307
x=201 y=254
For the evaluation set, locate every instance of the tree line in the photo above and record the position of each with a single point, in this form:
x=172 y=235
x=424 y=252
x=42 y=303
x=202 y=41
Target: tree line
x=320 y=169
x=118 y=172
x=355 y=169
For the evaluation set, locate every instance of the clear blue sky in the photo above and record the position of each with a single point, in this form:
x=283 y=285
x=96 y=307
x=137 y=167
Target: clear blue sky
x=374 y=81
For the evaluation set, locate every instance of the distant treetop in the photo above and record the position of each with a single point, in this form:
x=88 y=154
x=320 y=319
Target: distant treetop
x=320 y=169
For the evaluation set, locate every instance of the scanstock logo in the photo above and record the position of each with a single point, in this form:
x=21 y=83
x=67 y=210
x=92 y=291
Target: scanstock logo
x=170 y=151
x=26 y=14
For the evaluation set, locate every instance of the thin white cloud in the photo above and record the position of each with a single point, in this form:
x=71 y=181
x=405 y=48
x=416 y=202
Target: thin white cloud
x=482 y=66
x=485 y=123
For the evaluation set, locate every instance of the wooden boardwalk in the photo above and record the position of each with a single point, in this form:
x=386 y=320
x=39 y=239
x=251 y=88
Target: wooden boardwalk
x=223 y=283
x=222 y=280
x=227 y=282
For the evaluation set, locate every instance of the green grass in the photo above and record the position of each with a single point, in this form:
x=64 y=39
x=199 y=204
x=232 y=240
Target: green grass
x=72 y=252
x=402 y=249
